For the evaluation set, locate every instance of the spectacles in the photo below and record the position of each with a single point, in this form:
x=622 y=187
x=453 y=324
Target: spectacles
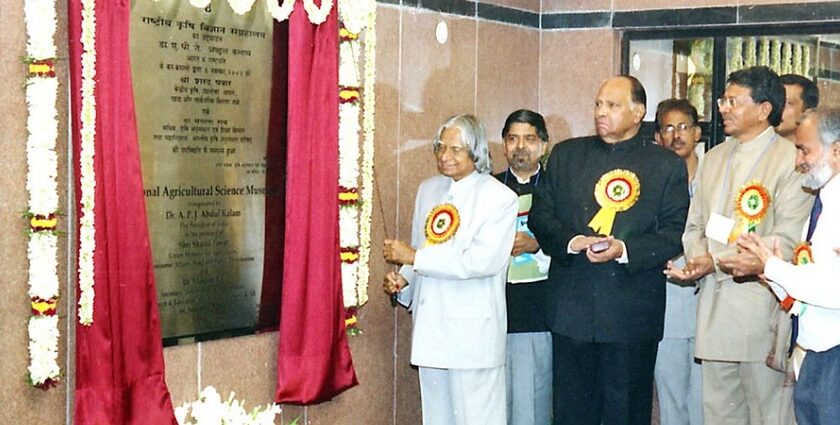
x=679 y=128
x=731 y=102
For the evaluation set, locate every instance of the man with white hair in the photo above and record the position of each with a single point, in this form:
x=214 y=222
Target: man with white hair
x=453 y=278
x=812 y=279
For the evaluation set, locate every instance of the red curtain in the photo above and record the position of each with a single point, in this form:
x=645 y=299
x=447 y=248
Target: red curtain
x=119 y=359
x=314 y=361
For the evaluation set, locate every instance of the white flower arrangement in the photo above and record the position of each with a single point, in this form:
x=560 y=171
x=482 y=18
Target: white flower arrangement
x=87 y=177
x=355 y=159
x=42 y=185
x=368 y=125
x=209 y=409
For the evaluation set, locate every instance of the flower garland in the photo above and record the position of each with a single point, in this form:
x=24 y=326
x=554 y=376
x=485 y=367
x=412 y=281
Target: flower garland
x=317 y=15
x=41 y=183
x=87 y=177
x=354 y=216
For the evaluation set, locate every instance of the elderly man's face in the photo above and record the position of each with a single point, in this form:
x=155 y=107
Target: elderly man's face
x=523 y=147
x=744 y=118
x=678 y=133
x=794 y=107
x=617 y=118
x=453 y=157
x=811 y=158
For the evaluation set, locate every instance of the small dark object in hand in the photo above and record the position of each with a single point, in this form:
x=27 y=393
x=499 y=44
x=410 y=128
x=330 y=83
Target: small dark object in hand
x=599 y=246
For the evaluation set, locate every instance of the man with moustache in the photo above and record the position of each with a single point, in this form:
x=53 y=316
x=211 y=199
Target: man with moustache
x=528 y=355
x=801 y=94
x=677 y=375
x=610 y=213
x=813 y=280
x=452 y=280
x=746 y=185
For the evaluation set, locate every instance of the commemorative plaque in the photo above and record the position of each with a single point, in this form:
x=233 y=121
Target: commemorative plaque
x=202 y=84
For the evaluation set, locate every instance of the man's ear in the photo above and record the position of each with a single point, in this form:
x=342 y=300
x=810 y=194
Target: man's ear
x=765 y=109
x=639 y=113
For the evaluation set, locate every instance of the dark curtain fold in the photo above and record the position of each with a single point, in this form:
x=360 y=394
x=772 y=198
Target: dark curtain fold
x=119 y=359
x=314 y=363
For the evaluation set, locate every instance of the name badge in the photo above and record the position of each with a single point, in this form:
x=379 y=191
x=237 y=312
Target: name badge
x=719 y=227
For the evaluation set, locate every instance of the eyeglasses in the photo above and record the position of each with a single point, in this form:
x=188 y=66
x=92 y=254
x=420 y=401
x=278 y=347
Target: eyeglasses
x=681 y=128
x=731 y=102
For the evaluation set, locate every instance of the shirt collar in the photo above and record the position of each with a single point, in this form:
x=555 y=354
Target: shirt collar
x=624 y=145
x=757 y=144
x=464 y=185
x=525 y=180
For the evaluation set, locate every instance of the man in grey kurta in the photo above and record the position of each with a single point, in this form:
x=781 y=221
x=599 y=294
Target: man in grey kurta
x=746 y=184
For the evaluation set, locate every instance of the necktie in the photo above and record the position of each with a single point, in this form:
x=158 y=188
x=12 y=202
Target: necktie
x=816 y=210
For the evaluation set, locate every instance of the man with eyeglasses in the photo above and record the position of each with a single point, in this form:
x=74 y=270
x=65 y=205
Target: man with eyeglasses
x=748 y=184
x=528 y=355
x=677 y=374
x=452 y=279
x=610 y=212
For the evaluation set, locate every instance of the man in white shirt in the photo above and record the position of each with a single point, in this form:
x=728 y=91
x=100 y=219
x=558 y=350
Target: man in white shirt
x=453 y=278
x=813 y=282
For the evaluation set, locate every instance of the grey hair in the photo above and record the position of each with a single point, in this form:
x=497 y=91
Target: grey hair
x=472 y=137
x=828 y=120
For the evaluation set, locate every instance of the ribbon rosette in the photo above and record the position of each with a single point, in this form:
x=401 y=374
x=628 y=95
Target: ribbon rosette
x=442 y=223
x=802 y=254
x=751 y=205
x=616 y=191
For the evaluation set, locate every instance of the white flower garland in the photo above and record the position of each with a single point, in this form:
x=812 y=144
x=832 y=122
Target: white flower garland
x=41 y=183
x=356 y=201
x=317 y=15
x=87 y=231
x=368 y=125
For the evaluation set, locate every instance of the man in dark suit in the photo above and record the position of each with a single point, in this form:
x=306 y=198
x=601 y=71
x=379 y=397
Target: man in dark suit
x=610 y=214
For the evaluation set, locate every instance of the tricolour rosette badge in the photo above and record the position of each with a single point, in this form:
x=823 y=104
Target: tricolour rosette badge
x=802 y=254
x=616 y=191
x=442 y=223
x=751 y=205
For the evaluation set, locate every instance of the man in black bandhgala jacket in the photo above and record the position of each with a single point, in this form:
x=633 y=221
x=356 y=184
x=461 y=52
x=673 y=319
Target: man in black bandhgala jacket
x=610 y=213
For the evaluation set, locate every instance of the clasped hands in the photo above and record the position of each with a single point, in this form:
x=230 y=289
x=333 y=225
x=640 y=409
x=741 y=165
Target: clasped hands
x=615 y=248
x=752 y=255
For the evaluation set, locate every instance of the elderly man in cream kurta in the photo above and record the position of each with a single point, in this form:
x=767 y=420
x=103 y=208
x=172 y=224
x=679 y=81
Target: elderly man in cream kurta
x=453 y=280
x=746 y=184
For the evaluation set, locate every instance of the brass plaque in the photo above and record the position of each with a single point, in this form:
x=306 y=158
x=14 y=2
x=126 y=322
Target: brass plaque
x=202 y=82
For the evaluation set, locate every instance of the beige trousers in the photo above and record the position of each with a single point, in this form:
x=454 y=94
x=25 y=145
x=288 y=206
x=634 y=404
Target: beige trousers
x=741 y=393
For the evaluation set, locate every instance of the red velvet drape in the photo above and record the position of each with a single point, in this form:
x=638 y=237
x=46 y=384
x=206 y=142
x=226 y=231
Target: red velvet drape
x=119 y=359
x=314 y=361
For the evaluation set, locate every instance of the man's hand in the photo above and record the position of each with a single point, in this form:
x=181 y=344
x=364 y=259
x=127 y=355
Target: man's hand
x=581 y=243
x=752 y=257
x=398 y=252
x=394 y=282
x=695 y=268
x=744 y=263
x=613 y=251
x=524 y=243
